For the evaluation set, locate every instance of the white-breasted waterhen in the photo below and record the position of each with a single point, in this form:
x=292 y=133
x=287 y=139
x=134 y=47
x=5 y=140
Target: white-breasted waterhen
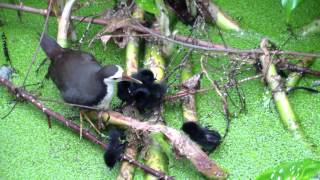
x=80 y=78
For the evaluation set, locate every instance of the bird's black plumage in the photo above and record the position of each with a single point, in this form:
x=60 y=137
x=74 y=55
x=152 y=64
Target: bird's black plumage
x=206 y=138
x=77 y=75
x=115 y=148
x=145 y=96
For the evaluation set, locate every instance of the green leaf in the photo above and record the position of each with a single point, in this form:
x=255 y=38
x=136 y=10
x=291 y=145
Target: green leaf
x=305 y=169
x=148 y=5
x=289 y=6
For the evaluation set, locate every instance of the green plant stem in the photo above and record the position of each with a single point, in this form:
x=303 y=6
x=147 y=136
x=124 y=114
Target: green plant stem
x=64 y=23
x=294 y=77
x=217 y=16
x=188 y=102
x=127 y=170
x=312 y=28
x=156 y=158
x=285 y=110
x=165 y=18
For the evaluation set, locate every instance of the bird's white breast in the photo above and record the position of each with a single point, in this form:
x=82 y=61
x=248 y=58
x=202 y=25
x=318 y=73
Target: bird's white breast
x=105 y=102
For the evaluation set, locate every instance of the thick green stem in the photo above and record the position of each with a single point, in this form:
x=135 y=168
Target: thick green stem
x=127 y=170
x=312 y=28
x=216 y=15
x=64 y=23
x=188 y=102
x=164 y=18
x=155 y=62
x=192 y=7
x=294 y=77
x=285 y=110
x=156 y=158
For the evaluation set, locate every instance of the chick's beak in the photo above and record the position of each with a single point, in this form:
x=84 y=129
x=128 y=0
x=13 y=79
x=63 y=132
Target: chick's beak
x=131 y=79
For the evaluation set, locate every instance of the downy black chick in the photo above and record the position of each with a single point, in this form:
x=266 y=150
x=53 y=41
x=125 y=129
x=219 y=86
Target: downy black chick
x=115 y=148
x=144 y=96
x=206 y=138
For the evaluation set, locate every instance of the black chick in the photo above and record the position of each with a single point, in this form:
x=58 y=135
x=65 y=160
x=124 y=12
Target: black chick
x=206 y=138
x=144 y=96
x=145 y=76
x=115 y=148
x=124 y=92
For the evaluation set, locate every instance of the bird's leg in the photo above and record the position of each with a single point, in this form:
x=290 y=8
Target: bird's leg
x=94 y=127
x=100 y=120
x=41 y=64
x=49 y=121
x=81 y=124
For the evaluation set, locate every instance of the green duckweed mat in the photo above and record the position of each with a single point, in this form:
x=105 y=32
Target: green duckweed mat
x=257 y=140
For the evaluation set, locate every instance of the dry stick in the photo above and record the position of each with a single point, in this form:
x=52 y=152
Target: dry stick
x=182 y=40
x=297 y=68
x=184 y=93
x=21 y=93
x=221 y=94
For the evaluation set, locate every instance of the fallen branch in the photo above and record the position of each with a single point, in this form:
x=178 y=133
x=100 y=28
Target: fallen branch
x=21 y=93
x=181 y=143
x=182 y=40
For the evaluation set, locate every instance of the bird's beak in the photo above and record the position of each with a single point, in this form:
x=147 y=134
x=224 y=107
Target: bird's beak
x=131 y=79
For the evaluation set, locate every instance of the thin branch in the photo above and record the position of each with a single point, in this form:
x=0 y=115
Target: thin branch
x=184 y=93
x=45 y=28
x=182 y=40
x=221 y=94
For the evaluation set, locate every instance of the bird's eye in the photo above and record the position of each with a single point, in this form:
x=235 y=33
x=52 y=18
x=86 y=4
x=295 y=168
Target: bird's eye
x=114 y=78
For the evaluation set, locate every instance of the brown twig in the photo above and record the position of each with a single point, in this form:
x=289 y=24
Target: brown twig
x=295 y=68
x=182 y=40
x=184 y=93
x=21 y=93
x=221 y=94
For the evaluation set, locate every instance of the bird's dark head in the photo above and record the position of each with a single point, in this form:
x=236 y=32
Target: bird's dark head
x=190 y=127
x=145 y=75
x=114 y=73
